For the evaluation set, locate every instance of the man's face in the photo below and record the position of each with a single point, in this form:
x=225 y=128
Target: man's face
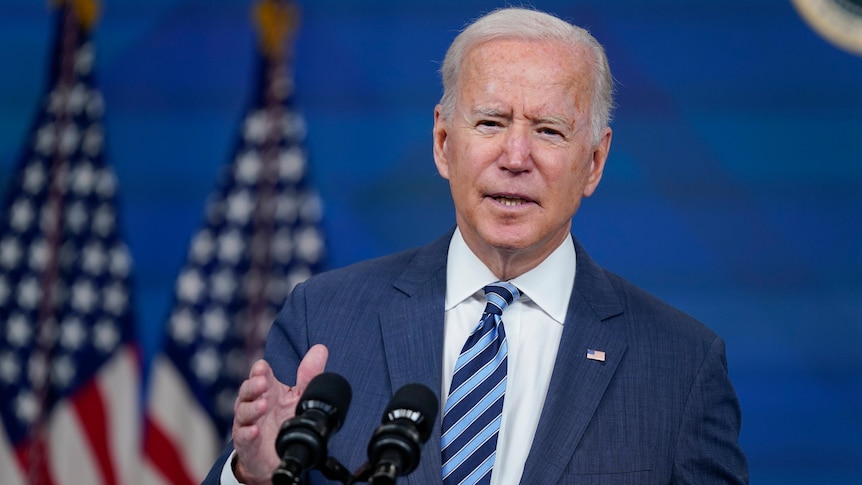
x=517 y=150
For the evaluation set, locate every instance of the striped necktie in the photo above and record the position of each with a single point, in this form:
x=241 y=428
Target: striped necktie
x=474 y=408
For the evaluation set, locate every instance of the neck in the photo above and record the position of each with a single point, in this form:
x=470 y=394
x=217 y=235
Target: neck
x=509 y=263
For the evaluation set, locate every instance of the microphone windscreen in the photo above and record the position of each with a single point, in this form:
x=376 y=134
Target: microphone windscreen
x=331 y=389
x=417 y=398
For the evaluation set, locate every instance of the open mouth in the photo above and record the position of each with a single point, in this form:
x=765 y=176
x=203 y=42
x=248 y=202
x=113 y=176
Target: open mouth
x=510 y=201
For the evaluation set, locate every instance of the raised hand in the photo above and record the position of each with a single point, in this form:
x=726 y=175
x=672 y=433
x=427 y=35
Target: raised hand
x=261 y=407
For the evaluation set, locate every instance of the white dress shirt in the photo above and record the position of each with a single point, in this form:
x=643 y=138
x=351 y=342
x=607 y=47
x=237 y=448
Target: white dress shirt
x=534 y=325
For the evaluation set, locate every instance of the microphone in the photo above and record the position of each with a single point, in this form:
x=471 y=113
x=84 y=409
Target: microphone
x=301 y=441
x=407 y=422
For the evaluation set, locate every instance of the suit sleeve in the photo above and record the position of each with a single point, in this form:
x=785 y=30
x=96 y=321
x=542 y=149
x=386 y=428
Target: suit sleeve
x=707 y=449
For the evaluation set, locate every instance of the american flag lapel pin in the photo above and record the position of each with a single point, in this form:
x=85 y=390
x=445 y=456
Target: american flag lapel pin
x=598 y=355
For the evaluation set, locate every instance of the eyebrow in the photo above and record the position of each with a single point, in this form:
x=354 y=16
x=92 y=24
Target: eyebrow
x=494 y=112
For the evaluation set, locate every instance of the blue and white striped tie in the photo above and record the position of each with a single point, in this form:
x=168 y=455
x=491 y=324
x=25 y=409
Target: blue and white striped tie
x=474 y=408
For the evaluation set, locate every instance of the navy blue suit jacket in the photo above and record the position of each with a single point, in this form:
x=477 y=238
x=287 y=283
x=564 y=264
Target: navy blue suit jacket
x=660 y=409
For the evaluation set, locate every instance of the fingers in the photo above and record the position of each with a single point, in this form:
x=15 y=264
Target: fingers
x=312 y=364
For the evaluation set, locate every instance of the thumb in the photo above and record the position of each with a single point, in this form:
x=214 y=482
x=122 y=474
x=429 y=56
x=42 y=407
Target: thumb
x=312 y=365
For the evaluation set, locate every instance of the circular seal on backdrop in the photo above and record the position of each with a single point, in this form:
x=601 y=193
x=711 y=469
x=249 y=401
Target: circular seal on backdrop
x=837 y=21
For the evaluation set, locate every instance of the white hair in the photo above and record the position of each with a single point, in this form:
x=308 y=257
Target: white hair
x=526 y=24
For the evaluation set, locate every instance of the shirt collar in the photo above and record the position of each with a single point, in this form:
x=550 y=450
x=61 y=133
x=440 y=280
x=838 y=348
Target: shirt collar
x=548 y=285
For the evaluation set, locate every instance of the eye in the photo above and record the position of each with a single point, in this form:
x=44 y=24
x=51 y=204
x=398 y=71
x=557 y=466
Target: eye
x=550 y=131
x=488 y=123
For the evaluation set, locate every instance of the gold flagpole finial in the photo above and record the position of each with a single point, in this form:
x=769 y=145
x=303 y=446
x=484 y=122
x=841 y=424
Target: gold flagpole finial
x=87 y=11
x=276 y=22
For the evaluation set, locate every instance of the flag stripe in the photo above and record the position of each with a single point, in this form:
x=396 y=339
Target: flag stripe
x=71 y=455
x=9 y=467
x=181 y=421
x=91 y=411
x=164 y=456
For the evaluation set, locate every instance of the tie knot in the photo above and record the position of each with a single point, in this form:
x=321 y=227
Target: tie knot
x=500 y=295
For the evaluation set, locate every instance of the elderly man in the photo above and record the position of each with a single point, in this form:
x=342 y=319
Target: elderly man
x=587 y=380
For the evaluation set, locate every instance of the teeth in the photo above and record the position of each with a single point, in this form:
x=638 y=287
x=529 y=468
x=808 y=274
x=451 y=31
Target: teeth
x=509 y=202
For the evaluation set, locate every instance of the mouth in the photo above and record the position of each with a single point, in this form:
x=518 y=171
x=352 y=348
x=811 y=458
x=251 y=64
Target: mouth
x=510 y=200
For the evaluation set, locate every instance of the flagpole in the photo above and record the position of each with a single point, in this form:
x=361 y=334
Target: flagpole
x=53 y=228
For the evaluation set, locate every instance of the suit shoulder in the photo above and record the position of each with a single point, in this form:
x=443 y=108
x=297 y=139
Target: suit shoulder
x=648 y=312
x=369 y=275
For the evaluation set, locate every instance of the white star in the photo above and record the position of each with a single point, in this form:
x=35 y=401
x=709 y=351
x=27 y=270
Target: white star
x=190 y=286
x=231 y=247
x=69 y=139
x=103 y=221
x=18 y=330
x=77 y=98
x=107 y=183
x=84 y=296
x=256 y=127
x=85 y=57
x=116 y=299
x=248 y=168
x=83 y=179
x=38 y=255
x=202 y=247
x=183 y=326
x=291 y=164
x=76 y=217
x=10 y=252
x=46 y=138
x=287 y=208
x=29 y=293
x=62 y=371
x=93 y=138
x=10 y=369
x=309 y=244
x=93 y=258
x=215 y=324
x=57 y=100
x=240 y=206
x=223 y=285
x=22 y=215
x=120 y=262
x=27 y=407
x=72 y=333
x=34 y=178
x=282 y=245
x=206 y=364
x=105 y=335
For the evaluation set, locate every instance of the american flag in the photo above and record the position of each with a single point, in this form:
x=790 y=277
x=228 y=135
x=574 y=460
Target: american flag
x=69 y=369
x=261 y=236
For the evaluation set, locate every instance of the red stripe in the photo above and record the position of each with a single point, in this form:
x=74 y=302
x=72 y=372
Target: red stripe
x=90 y=407
x=164 y=455
x=34 y=455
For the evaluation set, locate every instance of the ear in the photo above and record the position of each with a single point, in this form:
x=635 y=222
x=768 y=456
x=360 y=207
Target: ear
x=597 y=164
x=440 y=138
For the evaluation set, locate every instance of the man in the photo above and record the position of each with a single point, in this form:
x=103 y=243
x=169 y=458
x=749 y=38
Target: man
x=604 y=383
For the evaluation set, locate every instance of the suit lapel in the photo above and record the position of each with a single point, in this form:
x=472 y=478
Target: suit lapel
x=577 y=384
x=412 y=329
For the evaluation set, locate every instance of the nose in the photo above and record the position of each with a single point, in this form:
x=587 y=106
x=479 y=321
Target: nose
x=517 y=149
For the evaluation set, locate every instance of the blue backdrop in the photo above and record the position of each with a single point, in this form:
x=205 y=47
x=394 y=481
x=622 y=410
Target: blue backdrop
x=733 y=188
